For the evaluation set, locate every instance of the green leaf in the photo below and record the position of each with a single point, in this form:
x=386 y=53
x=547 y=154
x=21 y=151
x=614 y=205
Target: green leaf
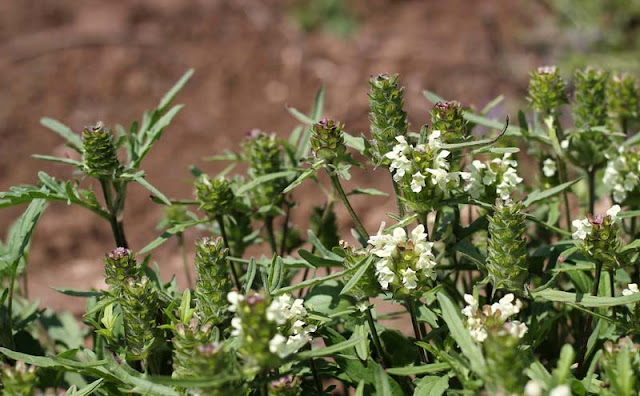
x=563 y=368
x=77 y=293
x=300 y=116
x=173 y=92
x=154 y=134
x=417 y=370
x=355 y=142
x=177 y=229
x=276 y=274
x=477 y=143
x=431 y=386
x=313 y=282
x=263 y=179
x=252 y=268
x=21 y=234
x=451 y=316
x=144 y=183
x=67 y=161
x=433 y=97
x=74 y=140
x=330 y=350
x=491 y=105
x=360 y=389
x=537 y=195
x=304 y=144
x=87 y=390
x=368 y=191
x=304 y=176
x=317 y=261
x=383 y=388
x=135 y=380
x=362 y=348
x=321 y=248
x=362 y=265
x=583 y=299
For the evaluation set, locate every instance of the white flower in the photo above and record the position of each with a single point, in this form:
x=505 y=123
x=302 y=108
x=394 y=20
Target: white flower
x=489 y=177
x=478 y=334
x=383 y=244
x=518 y=329
x=632 y=288
x=532 y=389
x=236 y=325
x=409 y=279
x=630 y=181
x=384 y=274
x=583 y=228
x=564 y=144
x=470 y=310
x=277 y=310
x=549 y=167
x=234 y=298
x=560 y=390
x=619 y=193
x=417 y=182
x=434 y=140
x=297 y=308
x=613 y=212
x=505 y=306
x=278 y=345
x=438 y=177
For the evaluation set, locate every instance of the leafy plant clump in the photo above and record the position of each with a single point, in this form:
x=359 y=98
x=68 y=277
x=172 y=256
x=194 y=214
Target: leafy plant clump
x=514 y=281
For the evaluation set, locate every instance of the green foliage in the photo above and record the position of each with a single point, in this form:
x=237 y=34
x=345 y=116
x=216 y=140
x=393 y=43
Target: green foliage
x=301 y=315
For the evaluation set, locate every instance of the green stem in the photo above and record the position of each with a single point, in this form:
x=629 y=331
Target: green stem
x=232 y=266
x=416 y=328
x=316 y=377
x=116 y=226
x=268 y=222
x=185 y=264
x=336 y=184
x=376 y=339
x=591 y=173
x=436 y=224
x=399 y=204
x=587 y=326
x=285 y=229
x=562 y=175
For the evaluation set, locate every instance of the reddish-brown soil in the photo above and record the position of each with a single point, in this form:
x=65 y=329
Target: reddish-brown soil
x=80 y=62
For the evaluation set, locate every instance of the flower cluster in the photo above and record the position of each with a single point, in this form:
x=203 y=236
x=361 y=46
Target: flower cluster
x=622 y=100
x=269 y=329
x=493 y=318
x=598 y=236
x=535 y=389
x=621 y=174
x=497 y=178
x=448 y=117
x=19 y=380
x=213 y=282
x=546 y=91
x=216 y=197
x=265 y=156
x=406 y=264
x=388 y=119
x=549 y=167
x=99 y=152
x=327 y=140
x=422 y=171
x=632 y=288
x=286 y=386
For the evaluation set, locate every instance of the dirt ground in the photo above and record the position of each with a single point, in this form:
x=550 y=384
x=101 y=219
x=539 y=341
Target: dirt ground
x=80 y=62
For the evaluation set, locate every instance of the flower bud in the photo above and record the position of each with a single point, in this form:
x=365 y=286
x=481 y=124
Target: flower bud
x=388 y=119
x=597 y=237
x=546 y=91
x=99 y=152
x=265 y=157
x=590 y=98
x=140 y=304
x=622 y=101
x=507 y=247
x=215 y=196
x=448 y=118
x=185 y=341
x=213 y=282
x=285 y=386
x=19 y=380
x=119 y=265
x=327 y=140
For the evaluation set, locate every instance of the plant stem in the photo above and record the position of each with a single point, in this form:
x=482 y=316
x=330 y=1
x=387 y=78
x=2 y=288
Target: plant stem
x=232 y=266
x=399 y=204
x=591 y=173
x=336 y=184
x=268 y=222
x=314 y=371
x=587 y=326
x=185 y=264
x=116 y=226
x=562 y=175
x=436 y=224
x=376 y=339
x=416 y=328
x=285 y=228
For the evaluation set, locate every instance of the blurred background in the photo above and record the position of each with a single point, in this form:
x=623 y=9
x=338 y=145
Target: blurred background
x=80 y=62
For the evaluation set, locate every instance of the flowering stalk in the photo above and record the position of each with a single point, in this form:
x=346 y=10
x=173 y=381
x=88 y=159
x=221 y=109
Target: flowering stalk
x=343 y=196
x=212 y=284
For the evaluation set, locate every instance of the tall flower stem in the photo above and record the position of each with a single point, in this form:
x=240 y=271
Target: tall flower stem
x=285 y=228
x=587 y=326
x=116 y=226
x=185 y=264
x=398 y=193
x=416 y=327
x=376 y=338
x=591 y=173
x=232 y=266
x=562 y=175
x=343 y=196
x=268 y=223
